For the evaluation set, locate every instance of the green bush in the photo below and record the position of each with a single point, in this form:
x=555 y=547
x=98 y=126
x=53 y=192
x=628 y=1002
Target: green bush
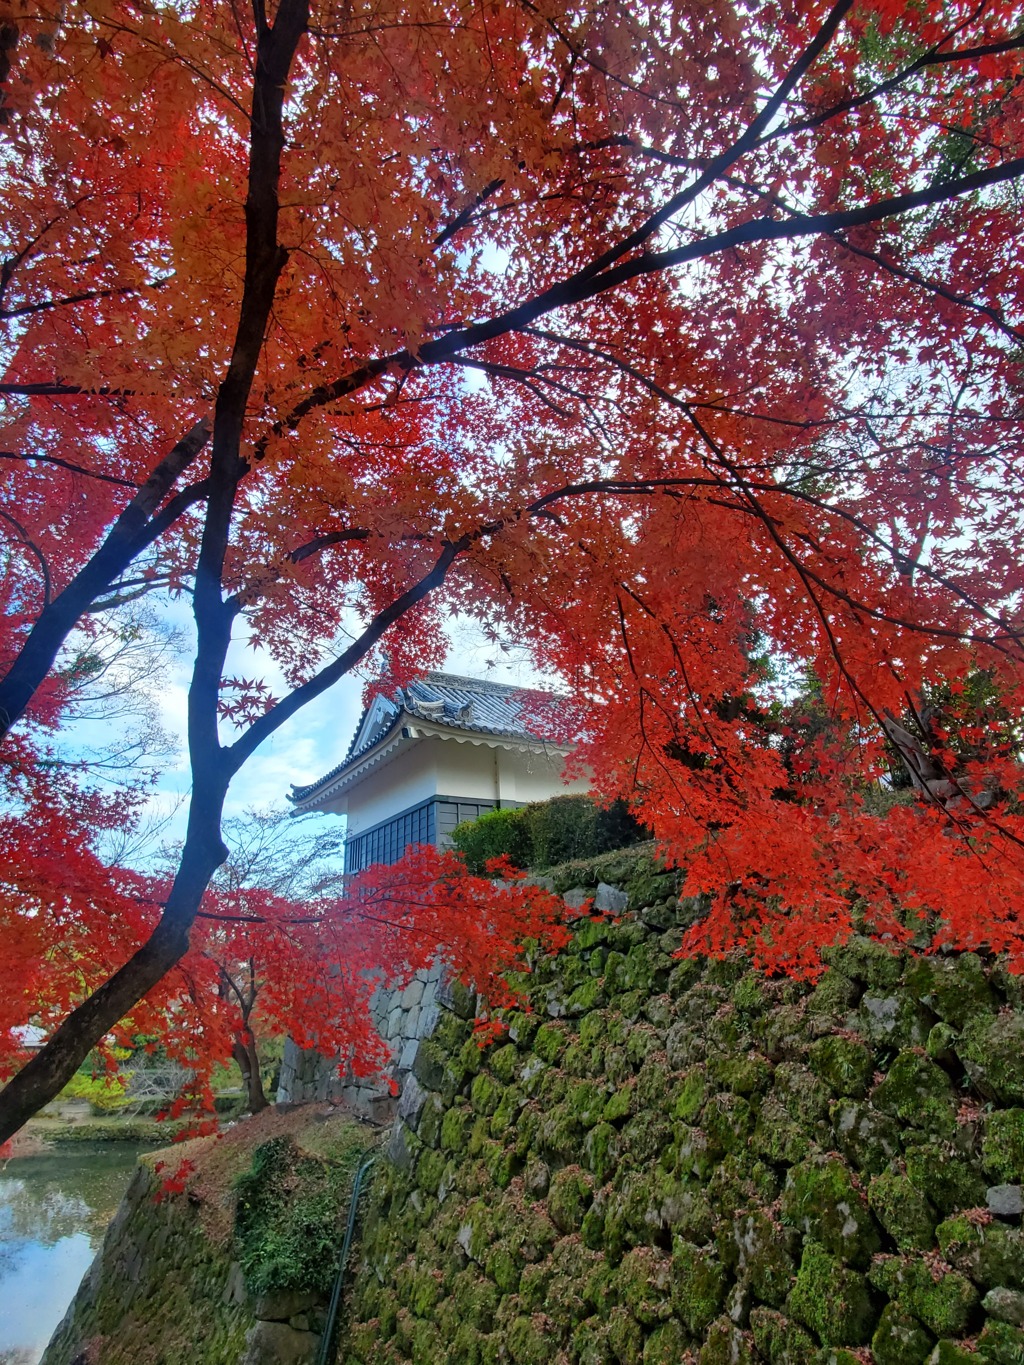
x=291 y=1209
x=562 y=829
x=547 y=833
x=496 y=833
x=105 y=1093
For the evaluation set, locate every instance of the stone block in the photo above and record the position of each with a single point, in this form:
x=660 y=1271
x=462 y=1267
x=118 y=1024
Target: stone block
x=1005 y=1201
x=283 y=1304
x=401 y=1147
x=412 y=995
x=275 y=1343
x=407 y=1056
x=234 y=1290
x=610 y=900
x=410 y=1106
x=1005 y=1304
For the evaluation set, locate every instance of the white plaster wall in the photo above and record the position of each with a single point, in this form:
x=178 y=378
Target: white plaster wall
x=478 y=772
x=465 y=770
x=434 y=766
x=402 y=781
x=527 y=777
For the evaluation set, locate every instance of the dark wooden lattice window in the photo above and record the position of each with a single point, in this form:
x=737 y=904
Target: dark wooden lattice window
x=386 y=843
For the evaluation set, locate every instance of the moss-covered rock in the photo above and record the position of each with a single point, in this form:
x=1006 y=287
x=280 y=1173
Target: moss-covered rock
x=919 y=1093
x=484 y=1094
x=549 y=1042
x=777 y=1137
x=698 y=1287
x=590 y=1344
x=865 y=960
x=821 y=1200
x=744 y=1075
x=992 y=1050
x=893 y=1019
x=998 y=1257
x=600 y=1151
x=530 y=1340
x=831 y=1300
x=1002 y=1150
x=779 y=1340
x=726 y=1344
x=727 y=1119
x=948 y=1353
x=844 y=1064
x=504 y=1062
x=803 y=1096
x=625 y=1336
x=899 y=1338
x=957 y=989
x=644 y=1280
x=762 y=1252
x=942 y=1302
x=835 y=994
x=666 y=1344
x=455 y=1129
x=569 y=1198
x=867 y=1138
x=948 y=1180
x=903 y=1211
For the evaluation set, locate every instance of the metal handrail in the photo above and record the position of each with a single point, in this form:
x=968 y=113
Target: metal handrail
x=323 y=1354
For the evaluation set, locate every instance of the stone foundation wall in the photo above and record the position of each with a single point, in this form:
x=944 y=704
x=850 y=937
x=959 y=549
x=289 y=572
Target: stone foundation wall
x=660 y=1161
x=178 y=1280
x=672 y=1161
x=403 y=1019
x=155 y=1268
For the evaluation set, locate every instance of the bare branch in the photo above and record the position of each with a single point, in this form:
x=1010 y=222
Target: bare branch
x=66 y=464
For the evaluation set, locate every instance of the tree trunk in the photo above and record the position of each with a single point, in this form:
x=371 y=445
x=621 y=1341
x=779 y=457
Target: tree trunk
x=49 y=1071
x=212 y=768
x=246 y=1055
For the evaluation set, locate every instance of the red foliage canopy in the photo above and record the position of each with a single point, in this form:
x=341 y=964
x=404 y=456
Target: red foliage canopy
x=663 y=337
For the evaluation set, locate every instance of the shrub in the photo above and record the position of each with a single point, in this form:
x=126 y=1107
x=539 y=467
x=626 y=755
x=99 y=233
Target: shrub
x=547 y=833
x=291 y=1208
x=562 y=829
x=104 y=1093
x=497 y=833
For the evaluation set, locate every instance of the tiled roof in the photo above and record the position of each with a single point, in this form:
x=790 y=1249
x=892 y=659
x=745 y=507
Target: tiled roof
x=445 y=699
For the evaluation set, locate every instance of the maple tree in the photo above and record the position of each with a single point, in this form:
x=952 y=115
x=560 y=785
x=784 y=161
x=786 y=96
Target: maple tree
x=623 y=330
x=261 y=923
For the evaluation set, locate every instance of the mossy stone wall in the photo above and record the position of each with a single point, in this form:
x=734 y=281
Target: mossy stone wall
x=237 y=1267
x=670 y=1160
x=157 y=1287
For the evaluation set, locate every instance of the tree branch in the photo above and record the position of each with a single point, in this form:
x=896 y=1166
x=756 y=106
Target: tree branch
x=57 y=620
x=273 y=719
x=66 y=464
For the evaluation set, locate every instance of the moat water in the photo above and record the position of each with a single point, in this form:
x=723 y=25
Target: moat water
x=54 y=1210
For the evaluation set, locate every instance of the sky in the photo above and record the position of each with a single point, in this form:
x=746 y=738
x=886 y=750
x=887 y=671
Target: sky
x=308 y=745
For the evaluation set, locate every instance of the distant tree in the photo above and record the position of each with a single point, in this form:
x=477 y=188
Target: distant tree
x=270 y=895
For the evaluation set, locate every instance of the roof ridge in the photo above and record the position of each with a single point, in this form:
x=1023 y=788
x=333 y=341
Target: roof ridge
x=479 y=683
x=497 y=719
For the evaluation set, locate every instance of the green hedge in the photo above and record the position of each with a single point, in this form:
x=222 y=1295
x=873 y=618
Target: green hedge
x=547 y=833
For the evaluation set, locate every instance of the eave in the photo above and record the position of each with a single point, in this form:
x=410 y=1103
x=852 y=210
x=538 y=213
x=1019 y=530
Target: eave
x=408 y=730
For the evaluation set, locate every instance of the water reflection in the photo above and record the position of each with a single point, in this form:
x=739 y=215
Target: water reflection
x=54 y=1209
